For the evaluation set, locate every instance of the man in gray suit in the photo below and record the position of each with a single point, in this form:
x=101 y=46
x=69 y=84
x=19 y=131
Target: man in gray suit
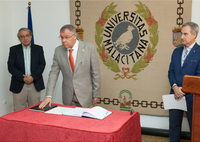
x=81 y=84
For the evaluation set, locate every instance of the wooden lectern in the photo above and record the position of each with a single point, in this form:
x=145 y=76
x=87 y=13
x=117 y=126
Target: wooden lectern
x=191 y=84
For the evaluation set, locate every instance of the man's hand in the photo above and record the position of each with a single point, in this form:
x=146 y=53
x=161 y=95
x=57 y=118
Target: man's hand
x=178 y=93
x=47 y=100
x=95 y=100
x=28 y=79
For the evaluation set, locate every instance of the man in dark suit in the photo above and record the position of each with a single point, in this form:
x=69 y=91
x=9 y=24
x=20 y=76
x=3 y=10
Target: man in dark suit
x=184 y=61
x=79 y=64
x=26 y=64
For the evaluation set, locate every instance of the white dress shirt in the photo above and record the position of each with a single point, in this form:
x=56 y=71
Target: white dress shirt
x=75 y=51
x=188 y=51
x=27 y=59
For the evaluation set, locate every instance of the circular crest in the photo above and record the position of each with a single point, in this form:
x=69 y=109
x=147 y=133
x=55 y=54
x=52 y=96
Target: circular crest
x=123 y=48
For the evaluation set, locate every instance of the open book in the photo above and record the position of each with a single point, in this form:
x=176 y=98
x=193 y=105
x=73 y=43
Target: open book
x=96 y=112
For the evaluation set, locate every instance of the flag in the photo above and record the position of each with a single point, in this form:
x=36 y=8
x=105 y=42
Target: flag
x=30 y=26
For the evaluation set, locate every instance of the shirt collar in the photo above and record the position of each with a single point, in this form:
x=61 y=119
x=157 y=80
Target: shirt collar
x=190 y=47
x=27 y=47
x=75 y=47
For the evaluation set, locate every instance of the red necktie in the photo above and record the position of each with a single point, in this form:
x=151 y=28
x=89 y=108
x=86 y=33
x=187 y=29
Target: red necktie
x=71 y=59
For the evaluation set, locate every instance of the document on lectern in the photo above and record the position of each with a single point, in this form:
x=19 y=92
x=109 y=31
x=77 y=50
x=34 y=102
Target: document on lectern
x=171 y=103
x=96 y=112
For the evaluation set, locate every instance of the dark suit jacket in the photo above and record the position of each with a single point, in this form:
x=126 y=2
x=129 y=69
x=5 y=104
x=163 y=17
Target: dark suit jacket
x=191 y=66
x=17 y=68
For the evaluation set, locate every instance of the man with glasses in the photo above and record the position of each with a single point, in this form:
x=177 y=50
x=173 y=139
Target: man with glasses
x=79 y=64
x=26 y=64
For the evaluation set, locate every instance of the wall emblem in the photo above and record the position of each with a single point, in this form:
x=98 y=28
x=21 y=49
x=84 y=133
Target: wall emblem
x=125 y=97
x=177 y=37
x=126 y=40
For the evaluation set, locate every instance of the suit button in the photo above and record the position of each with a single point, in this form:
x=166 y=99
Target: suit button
x=180 y=74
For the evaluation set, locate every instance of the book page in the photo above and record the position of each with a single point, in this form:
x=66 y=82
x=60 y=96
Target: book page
x=97 y=112
x=76 y=112
x=59 y=110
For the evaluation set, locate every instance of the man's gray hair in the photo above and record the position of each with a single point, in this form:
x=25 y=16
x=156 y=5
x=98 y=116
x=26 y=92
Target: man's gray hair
x=24 y=29
x=69 y=27
x=194 y=27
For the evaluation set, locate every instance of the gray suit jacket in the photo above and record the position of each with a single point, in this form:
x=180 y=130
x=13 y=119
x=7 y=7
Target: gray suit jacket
x=85 y=80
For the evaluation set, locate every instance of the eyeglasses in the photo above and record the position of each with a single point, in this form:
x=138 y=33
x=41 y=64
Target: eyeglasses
x=65 y=37
x=23 y=36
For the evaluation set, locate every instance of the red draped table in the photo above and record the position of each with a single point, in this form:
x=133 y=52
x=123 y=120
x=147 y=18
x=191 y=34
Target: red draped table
x=26 y=125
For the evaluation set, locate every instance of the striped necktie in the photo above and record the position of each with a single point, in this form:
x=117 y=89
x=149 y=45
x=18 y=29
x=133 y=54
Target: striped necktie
x=184 y=57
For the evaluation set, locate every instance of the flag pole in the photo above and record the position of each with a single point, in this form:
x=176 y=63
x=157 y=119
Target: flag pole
x=30 y=26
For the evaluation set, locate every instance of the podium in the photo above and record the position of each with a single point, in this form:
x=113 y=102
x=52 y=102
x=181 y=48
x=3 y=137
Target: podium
x=191 y=84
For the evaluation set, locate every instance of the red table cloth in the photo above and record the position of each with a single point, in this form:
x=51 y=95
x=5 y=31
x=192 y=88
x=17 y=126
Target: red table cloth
x=26 y=125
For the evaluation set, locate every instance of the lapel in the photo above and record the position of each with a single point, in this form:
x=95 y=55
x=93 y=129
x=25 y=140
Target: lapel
x=67 y=57
x=32 y=55
x=192 y=52
x=179 y=56
x=80 y=53
x=21 y=54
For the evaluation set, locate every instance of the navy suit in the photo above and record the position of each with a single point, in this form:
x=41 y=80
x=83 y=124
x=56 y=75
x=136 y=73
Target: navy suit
x=17 y=68
x=176 y=73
